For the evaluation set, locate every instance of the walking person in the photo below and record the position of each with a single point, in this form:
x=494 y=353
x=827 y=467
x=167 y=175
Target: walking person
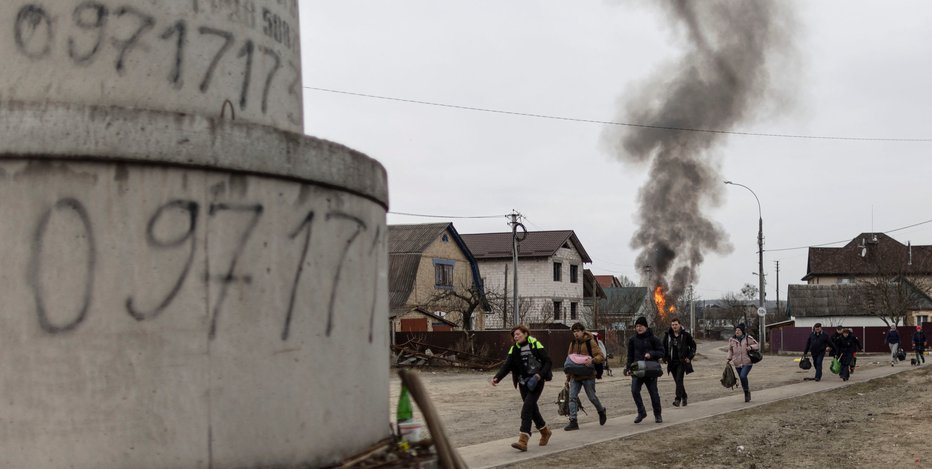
x=893 y=340
x=738 y=347
x=846 y=346
x=817 y=343
x=679 y=349
x=919 y=345
x=529 y=366
x=584 y=344
x=647 y=347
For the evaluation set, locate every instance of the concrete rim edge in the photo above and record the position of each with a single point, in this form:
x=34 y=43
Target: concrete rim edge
x=124 y=135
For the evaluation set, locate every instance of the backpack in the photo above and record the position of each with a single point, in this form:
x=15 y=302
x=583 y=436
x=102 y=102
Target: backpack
x=729 y=380
x=563 y=401
x=599 y=367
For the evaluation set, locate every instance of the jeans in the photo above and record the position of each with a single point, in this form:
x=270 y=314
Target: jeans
x=529 y=410
x=678 y=371
x=817 y=363
x=589 y=386
x=743 y=376
x=893 y=349
x=920 y=357
x=651 y=389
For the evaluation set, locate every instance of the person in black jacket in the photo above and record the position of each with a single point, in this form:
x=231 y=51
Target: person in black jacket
x=919 y=345
x=679 y=349
x=846 y=346
x=817 y=343
x=644 y=346
x=529 y=366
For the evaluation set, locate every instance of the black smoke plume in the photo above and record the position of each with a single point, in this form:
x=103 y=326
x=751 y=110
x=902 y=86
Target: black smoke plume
x=723 y=79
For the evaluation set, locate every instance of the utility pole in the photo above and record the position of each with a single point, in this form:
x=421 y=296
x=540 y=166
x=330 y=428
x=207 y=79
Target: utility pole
x=778 y=287
x=505 y=301
x=692 y=312
x=514 y=260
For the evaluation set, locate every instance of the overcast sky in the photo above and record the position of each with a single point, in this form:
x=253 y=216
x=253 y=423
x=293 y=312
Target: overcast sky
x=863 y=69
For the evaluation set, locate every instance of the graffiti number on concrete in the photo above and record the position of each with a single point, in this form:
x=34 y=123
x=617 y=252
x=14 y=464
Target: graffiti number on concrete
x=91 y=17
x=180 y=29
x=305 y=227
x=227 y=42
x=191 y=208
x=255 y=212
x=36 y=267
x=360 y=226
x=33 y=31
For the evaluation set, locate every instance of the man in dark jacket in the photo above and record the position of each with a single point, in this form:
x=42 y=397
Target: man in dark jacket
x=817 y=343
x=893 y=341
x=679 y=348
x=644 y=346
x=919 y=345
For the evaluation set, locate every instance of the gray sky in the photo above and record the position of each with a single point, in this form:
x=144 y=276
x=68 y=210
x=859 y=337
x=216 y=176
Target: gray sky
x=863 y=69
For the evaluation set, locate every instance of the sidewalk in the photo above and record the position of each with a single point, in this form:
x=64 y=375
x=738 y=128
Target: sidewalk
x=500 y=453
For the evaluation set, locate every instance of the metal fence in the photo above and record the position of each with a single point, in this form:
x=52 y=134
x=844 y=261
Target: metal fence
x=873 y=339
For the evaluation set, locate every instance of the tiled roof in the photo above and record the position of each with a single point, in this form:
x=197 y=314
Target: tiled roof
x=824 y=300
x=402 y=271
x=870 y=254
x=413 y=239
x=537 y=244
x=607 y=281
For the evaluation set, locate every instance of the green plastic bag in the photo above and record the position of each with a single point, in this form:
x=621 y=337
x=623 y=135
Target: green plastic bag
x=836 y=365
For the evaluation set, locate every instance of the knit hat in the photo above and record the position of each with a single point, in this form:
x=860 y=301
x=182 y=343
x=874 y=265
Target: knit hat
x=744 y=329
x=641 y=321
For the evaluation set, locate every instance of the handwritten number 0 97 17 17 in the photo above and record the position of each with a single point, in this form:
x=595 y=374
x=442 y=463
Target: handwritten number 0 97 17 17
x=34 y=32
x=191 y=210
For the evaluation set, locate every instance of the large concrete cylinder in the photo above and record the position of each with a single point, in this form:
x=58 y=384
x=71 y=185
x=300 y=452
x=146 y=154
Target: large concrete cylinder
x=187 y=282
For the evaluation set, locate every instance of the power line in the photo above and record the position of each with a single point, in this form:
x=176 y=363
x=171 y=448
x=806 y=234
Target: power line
x=445 y=216
x=624 y=124
x=847 y=240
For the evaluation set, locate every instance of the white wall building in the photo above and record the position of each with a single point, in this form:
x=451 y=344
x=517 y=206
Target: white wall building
x=550 y=275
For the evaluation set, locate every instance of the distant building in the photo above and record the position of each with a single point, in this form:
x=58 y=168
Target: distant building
x=550 y=275
x=433 y=279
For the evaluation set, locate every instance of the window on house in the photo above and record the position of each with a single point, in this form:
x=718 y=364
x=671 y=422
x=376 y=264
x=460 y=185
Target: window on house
x=574 y=310
x=443 y=273
x=557 y=271
x=557 y=310
x=574 y=274
x=921 y=319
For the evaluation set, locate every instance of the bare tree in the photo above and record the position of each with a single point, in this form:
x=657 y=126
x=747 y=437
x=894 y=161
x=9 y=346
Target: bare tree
x=891 y=297
x=735 y=308
x=624 y=281
x=462 y=300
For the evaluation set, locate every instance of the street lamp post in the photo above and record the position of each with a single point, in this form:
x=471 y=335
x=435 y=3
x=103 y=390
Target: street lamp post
x=760 y=264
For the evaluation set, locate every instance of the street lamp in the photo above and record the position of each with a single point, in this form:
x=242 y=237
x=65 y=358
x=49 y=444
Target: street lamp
x=760 y=265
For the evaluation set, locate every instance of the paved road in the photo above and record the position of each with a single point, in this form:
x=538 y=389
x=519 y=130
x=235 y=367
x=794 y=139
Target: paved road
x=499 y=453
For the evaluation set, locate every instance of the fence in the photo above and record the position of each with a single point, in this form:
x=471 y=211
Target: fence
x=873 y=339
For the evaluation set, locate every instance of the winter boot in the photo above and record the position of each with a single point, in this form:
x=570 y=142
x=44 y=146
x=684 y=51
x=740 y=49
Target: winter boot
x=676 y=402
x=747 y=396
x=602 y=417
x=521 y=444
x=545 y=435
x=572 y=425
x=684 y=402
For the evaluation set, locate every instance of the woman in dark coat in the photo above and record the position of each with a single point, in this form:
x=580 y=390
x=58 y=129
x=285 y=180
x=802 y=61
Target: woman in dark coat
x=529 y=366
x=846 y=346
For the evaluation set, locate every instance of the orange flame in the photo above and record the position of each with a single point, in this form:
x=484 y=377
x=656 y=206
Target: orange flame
x=661 y=301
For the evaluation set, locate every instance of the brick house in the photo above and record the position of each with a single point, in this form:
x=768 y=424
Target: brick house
x=550 y=275
x=430 y=270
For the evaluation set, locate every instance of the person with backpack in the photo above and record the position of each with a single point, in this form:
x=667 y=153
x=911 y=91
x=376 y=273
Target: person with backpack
x=893 y=341
x=817 y=343
x=644 y=346
x=738 y=347
x=529 y=366
x=679 y=349
x=919 y=345
x=584 y=344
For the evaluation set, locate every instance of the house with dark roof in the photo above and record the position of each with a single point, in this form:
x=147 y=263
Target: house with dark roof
x=867 y=258
x=433 y=279
x=550 y=274
x=608 y=281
